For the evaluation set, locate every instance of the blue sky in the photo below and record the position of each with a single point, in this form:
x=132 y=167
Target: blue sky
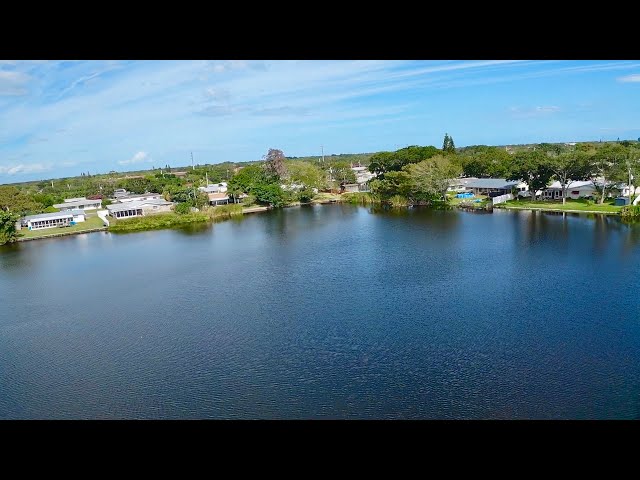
x=60 y=118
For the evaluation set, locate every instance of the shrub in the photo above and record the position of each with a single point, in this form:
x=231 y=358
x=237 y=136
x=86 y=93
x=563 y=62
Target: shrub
x=398 y=201
x=183 y=208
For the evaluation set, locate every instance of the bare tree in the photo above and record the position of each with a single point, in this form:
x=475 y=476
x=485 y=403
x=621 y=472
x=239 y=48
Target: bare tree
x=275 y=163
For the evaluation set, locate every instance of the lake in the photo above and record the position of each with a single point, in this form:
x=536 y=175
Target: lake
x=331 y=311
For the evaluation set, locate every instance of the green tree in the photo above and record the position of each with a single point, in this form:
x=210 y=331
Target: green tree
x=532 y=168
x=447 y=145
x=8 y=232
x=306 y=174
x=393 y=183
x=270 y=194
x=339 y=171
x=383 y=162
x=484 y=161
x=430 y=178
x=607 y=163
x=569 y=167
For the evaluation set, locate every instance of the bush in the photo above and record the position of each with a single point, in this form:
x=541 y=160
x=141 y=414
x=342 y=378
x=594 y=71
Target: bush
x=631 y=212
x=399 y=201
x=183 y=208
x=50 y=210
x=305 y=195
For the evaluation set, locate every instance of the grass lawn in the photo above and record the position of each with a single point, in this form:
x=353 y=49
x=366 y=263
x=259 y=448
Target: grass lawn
x=457 y=201
x=581 y=205
x=91 y=222
x=324 y=197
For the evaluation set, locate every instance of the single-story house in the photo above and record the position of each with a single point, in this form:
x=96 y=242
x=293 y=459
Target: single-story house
x=135 y=197
x=459 y=184
x=496 y=186
x=139 y=208
x=577 y=189
x=52 y=220
x=218 y=199
x=214 y=188
x=80 y=203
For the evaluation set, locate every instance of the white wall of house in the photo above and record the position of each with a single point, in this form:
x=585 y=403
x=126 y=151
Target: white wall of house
x=151 y=209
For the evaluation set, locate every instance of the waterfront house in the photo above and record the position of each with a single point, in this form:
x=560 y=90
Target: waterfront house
x=218 y=198
x=363 y=175
x=459 y=184
x=52 y=220
x=575 y=190
x=495 y=186
x=135 y=197
x=214 y=188
x=80 y=203
x=139 y=208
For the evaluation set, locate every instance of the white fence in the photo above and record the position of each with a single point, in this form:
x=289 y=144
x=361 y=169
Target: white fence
x=502 y=198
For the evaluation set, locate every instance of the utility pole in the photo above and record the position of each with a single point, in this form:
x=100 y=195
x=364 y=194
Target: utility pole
x=192 y=166
x=322 y=148
x=207 y=178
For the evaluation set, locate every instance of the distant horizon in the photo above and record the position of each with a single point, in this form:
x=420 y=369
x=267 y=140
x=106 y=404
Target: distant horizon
x=187 y=166
x=59 y=118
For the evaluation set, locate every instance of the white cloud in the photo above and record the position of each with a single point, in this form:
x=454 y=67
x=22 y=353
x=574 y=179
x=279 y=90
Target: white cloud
x=630 y=78
x=217 y=93
x=25 y=168
x=139 y=157
x=549 y=109
x=528 y=112
x=13 y=83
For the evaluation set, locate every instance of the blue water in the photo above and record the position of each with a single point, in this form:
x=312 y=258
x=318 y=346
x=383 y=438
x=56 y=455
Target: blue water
x=327 y=312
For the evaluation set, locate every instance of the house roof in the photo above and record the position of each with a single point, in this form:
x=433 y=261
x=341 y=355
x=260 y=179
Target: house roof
x=77 y=203
x=218 y=196
x=118 y=207
x=133 y=196
x=492 y=183
x=47 y=216
x=574 y=185
x=68 y=200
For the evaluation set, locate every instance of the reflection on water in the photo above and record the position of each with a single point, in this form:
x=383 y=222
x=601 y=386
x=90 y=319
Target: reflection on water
x=333 y=311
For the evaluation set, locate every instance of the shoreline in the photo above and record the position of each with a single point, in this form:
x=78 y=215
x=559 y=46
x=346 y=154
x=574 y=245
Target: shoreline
x=61 y=234
x=556 y=210
x=259 y=209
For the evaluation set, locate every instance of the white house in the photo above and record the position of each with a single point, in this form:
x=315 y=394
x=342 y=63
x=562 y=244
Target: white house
x=80 y=203
x=575 y=190
x=52 y=220
x=214 y=188
x=495 y=186
x=363 y=175
x=459 y=184
x=139 y=208
x=136 y=197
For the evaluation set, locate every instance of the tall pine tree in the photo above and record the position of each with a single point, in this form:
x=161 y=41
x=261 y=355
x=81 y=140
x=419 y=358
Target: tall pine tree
x=448 y=146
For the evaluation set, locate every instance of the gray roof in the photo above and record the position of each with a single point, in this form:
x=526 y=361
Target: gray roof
x=133 y=196
x=492 y=183
x=118 y=207
x=53 y=216
x=79 y=203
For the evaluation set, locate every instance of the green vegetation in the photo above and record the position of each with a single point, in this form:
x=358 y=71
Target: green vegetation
x=8 y=232
x=418 y=183
x=581 y=205
x=159 y=221
x=419 y=174
x=630 y=213
x=360 y=198
x=172 y=220
x=91 y=223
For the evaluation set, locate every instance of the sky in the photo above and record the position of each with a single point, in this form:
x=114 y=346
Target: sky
x=61 y=118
